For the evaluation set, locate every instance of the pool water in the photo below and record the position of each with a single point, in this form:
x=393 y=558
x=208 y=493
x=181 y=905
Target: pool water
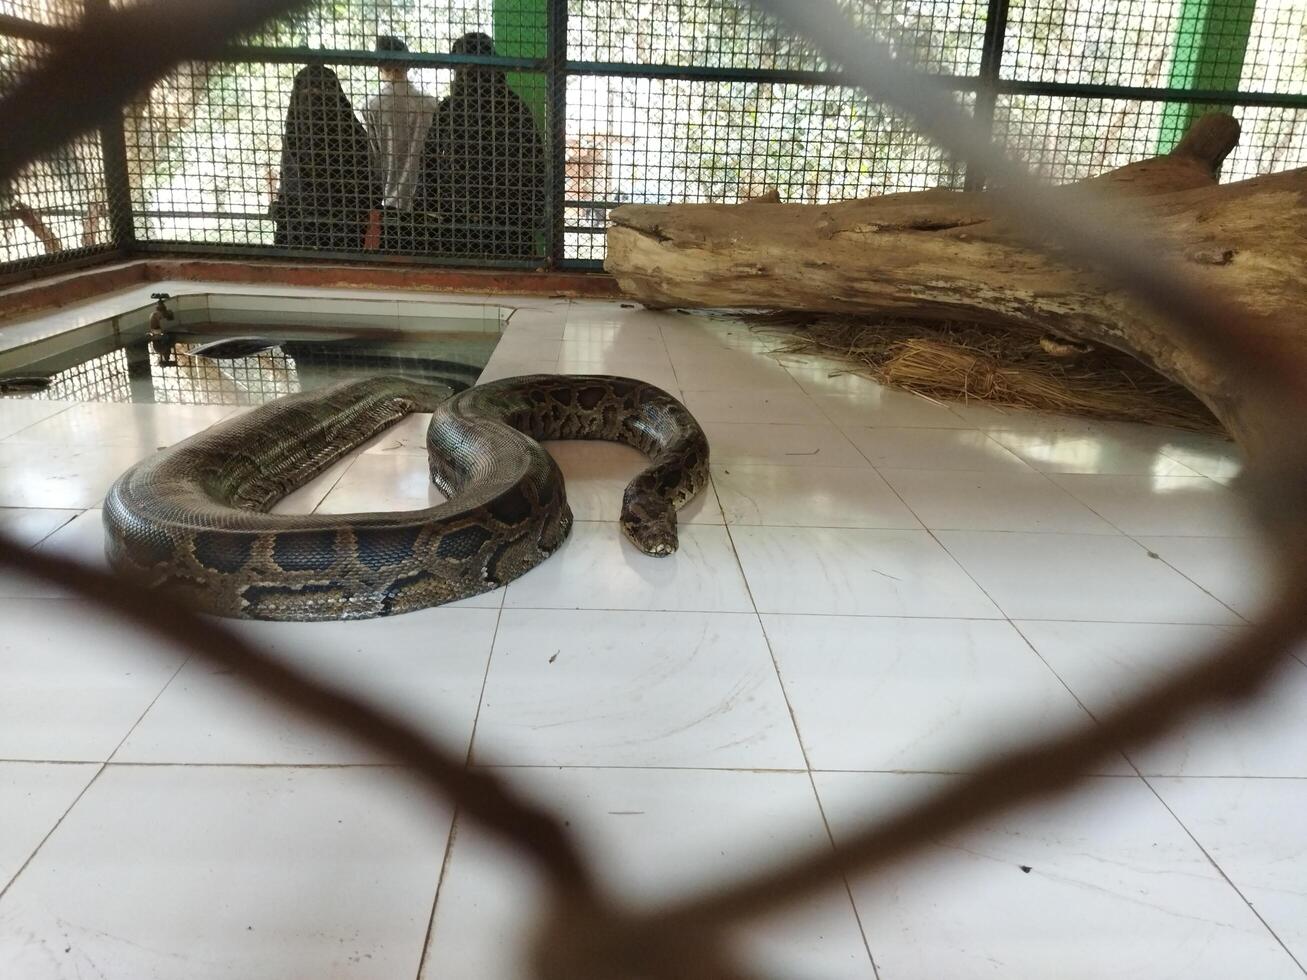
x=268 y=353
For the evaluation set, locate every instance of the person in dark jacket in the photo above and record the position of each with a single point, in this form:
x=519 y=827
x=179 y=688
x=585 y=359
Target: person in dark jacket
x=327 y=187
x=484 y=163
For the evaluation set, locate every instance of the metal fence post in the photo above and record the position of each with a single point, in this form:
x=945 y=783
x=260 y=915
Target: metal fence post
x=113 y=150
x=117 y=182
x=1211 y=41
x=991 y=64
x=556 y=87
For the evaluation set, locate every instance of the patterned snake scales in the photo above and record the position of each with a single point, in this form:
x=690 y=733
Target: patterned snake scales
x=192 y=521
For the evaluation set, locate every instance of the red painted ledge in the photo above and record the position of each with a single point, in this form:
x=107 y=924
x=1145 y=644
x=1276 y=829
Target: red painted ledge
x=71 y=287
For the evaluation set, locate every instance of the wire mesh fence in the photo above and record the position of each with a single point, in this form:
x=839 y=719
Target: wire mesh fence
x=653 y=140
x=50 y=13
x=947 y=35
x=502 y=132
x=104 y=378
x=58 y=206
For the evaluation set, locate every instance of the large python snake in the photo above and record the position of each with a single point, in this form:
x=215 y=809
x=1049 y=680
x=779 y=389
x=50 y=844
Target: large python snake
x=193 y=520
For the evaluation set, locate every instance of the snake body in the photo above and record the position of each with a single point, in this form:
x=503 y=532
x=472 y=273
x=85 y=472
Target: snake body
x=193 y=520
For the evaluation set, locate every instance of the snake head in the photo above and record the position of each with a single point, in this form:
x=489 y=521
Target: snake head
x=651 y=528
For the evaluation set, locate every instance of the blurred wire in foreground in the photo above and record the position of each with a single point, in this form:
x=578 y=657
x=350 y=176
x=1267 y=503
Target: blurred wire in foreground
x=95 y=68
x=583 y=935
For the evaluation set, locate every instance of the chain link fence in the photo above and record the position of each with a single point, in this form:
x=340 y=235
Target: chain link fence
x=501 y=132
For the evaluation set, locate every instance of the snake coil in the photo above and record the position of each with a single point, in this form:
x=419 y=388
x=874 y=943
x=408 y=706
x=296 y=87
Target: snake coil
x=193 y=520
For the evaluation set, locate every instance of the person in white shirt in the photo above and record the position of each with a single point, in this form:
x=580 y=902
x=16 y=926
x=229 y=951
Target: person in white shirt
x=397 y=120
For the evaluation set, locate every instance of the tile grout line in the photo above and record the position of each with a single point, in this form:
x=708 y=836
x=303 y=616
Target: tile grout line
x=821 y=807
x=153 y=701
x=104 y=765
x=1076 y=697
x=1153 y=789
x=50 y=833
x=745 y=612
x=625 y=766
x=1090 y=506
x=703 y=768
x=803 y=749
x=680 y=388
x=353 y=458
x=1221 y=871
x=1008 y=619
x=150 y=764
x=1048 y=479
x=455 y=816
x=1122 y=534
x=76 y=514
x=425 y=951
x=1011 y=622
x=14 y=435
x=920 y=527
x=940 y=544
x=1215 y=598
x=1132 y=536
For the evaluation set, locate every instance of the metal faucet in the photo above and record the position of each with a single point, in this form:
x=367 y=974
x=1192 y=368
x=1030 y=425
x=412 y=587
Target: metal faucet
x=161 y=312
x=159 y=338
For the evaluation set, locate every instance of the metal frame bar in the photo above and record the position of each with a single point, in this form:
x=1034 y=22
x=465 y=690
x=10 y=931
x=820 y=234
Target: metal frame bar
x=961 y=83
x=556 y=96
x=69 y=260
x=324 y=255
x=118 y=184
x=28 y=30
x=117 y=175
x=521 y=30
x=274 y=54
x=991 y=70
x=1143 y=94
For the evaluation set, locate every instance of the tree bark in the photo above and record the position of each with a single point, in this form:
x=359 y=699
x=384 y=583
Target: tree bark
x=944 y=255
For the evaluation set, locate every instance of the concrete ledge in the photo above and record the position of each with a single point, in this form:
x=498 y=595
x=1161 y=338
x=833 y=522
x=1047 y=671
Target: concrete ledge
x=72 y=287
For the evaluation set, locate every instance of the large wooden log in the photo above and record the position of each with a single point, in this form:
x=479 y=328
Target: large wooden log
x=944 y=255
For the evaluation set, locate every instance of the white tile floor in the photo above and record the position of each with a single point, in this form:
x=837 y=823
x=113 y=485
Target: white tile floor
x=876 y=591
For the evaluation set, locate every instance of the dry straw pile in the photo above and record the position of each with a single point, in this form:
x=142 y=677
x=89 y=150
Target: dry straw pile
x=965 y=361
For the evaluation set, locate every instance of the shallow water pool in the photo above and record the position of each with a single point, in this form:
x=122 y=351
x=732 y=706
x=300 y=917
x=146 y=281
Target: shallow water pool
x=245 y=350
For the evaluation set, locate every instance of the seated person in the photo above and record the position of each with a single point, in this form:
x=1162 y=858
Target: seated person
x=484 y=164
x=327 y=189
